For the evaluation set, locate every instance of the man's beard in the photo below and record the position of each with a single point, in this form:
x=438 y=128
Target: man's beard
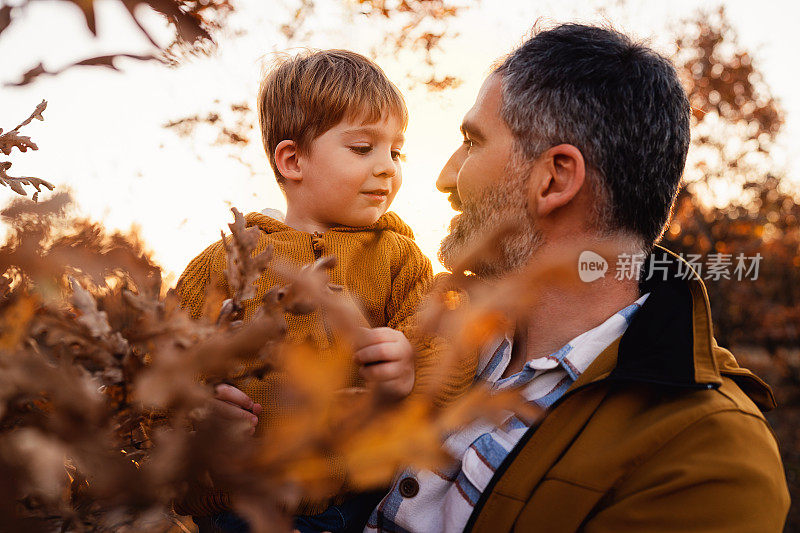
x=480 y=217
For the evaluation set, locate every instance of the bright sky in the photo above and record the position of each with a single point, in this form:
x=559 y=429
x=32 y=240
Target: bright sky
x=102 y=135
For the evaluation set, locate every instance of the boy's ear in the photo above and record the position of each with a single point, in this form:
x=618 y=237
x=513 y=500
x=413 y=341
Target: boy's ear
x=286 y=159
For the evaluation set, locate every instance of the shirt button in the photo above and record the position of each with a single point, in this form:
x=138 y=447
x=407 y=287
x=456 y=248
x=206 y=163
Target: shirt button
x=409 y=487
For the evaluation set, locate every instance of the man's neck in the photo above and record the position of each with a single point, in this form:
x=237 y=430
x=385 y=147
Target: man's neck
x=559 y=317
x=562 y=312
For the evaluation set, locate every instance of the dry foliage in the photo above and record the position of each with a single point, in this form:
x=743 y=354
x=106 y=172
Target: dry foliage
x=193 y=22
x=416 y=26
x=12 y=139
x=424 y=24
x=104 y=420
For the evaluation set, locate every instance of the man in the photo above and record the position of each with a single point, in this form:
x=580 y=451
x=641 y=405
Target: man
x=580 y=137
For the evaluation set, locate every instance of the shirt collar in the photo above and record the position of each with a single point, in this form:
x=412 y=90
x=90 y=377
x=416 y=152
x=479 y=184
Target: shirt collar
x=574 y=357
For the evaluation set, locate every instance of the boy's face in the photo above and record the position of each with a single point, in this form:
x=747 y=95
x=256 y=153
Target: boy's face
x=351 y=173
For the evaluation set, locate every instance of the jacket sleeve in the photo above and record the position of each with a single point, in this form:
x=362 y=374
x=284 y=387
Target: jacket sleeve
x=721 y=474
x=409 y=287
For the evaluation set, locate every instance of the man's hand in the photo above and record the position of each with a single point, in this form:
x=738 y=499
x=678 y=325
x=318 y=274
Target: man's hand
x=232 y=404
x=386 y=360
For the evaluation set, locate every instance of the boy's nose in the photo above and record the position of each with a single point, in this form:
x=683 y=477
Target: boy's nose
x=385 y=167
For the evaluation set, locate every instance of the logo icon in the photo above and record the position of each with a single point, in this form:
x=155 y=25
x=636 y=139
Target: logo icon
x=591 y=266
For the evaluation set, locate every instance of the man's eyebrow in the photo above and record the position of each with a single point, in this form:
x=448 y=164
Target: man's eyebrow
x=469 y=129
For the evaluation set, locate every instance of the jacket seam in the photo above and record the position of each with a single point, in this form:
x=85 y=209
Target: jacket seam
x=733 y=400
x=510 y=497
x=669 y=441
x=574 y=483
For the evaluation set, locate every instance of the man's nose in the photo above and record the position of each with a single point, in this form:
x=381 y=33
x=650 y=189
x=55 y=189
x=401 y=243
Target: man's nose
x=448 y=177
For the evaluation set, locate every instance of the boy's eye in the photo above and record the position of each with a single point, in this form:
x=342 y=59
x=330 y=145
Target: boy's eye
x=363 y=150
x=397 y=156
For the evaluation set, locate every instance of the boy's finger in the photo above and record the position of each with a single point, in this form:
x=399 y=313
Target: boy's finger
x=376 y=353
x=367 y=336
x=232 y=412
x=382 y=372
x=230 y=394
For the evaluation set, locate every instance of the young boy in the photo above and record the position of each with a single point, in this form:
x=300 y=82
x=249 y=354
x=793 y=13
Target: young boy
x=332 y=127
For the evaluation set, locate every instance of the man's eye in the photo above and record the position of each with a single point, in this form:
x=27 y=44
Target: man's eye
x=468 y=143
x=363 y=150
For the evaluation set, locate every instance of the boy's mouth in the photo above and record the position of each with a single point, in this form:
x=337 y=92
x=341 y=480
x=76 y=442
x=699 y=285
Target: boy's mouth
x=376 y=194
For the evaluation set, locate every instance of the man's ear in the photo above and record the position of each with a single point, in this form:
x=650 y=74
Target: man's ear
x=286 y=159
x=559 y=174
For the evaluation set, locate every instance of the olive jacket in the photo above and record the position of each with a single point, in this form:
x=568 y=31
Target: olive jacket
x=663 y=432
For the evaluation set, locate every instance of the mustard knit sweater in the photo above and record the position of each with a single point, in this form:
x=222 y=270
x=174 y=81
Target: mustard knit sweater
x=380 y=267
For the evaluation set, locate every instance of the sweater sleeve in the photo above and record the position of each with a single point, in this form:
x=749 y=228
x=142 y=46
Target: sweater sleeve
x=409 y=286
x=192 y=286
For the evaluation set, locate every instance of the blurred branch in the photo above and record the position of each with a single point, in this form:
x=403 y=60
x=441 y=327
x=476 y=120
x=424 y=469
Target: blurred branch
x=12 y=139
x=413 y=25
x=99 y=61
x=424 y=24
x=193 y=22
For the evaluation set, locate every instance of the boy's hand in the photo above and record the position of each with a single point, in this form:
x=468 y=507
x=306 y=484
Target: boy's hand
x=386 y=360
x=232 y=404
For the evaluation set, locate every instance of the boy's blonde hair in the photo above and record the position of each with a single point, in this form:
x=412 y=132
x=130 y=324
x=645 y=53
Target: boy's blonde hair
x=305 y=95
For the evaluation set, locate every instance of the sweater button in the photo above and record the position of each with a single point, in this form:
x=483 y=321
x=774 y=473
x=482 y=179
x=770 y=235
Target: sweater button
x=409 y=487
x=317 y=245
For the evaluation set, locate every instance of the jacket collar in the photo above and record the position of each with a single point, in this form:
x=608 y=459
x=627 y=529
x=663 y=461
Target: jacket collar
x=670 y=339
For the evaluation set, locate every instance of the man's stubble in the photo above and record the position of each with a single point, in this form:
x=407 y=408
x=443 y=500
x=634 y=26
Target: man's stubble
x=480 y=217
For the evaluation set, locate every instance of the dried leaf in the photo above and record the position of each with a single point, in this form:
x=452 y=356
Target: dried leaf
x=53 y=206
x=95 y=321
x=42 y=457
x=87 y=7
x=11 y=139
x=243 y=267
x=5 y=17
x=15 y=320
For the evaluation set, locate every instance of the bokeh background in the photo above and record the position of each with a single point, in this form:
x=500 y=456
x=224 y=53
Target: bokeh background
x=167 y=141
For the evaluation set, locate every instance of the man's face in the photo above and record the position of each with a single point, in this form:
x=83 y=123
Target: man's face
x=487 y=181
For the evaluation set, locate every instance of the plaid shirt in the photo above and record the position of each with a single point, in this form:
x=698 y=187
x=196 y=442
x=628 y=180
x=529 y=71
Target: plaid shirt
x=442 y=500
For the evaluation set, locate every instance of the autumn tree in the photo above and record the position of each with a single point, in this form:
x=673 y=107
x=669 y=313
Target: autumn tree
x=737 y=203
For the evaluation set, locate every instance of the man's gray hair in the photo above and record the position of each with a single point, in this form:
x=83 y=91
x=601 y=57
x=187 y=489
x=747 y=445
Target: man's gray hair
x=620 y=103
